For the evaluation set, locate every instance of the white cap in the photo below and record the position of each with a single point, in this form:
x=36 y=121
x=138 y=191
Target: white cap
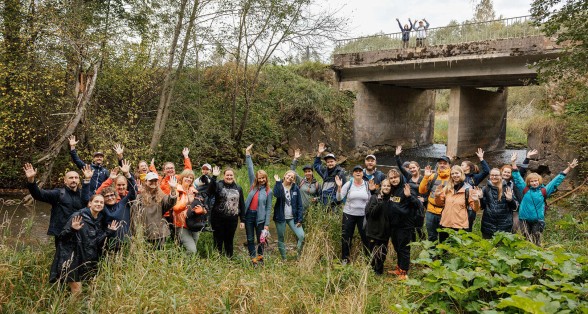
x=151 y=176
x=207 y=166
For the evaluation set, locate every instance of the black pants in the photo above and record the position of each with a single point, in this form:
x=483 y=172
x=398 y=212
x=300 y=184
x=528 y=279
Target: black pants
x=347 y=230
x=224 y=233
x=379 y=251
x=419 y=233
x=54 y=271
x=471 y=219
x=400 y=240
x=420 y=42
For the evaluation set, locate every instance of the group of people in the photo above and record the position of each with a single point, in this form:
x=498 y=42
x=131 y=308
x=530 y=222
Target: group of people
x=111 y=206
x=420 y=32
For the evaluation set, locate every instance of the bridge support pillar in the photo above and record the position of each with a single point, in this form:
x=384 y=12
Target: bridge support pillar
x=389 y=115
x=477 y=118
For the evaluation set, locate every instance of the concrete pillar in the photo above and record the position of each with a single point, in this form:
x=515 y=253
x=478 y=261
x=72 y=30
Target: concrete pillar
x=388 y=115
x=477 y=118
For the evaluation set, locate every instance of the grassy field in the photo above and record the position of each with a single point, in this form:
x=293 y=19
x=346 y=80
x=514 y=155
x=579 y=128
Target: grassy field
x=144 y=281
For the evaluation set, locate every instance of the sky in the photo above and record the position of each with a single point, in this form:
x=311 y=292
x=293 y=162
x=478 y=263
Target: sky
x=368 y=17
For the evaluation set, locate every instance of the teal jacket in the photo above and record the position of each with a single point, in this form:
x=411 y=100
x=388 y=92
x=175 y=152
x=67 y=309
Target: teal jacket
x=532 y=207
x=264 y=206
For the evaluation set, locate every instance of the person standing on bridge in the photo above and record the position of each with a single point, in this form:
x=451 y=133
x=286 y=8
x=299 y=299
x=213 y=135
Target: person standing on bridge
x=421 y=32
x=405 y=32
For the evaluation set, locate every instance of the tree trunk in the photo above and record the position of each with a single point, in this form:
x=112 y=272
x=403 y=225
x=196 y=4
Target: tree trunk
x=83 y=97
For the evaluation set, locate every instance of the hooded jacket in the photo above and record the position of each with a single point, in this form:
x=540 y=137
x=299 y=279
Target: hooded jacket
x=377 y=224
x=229 y=203
x=455 y=211
x=329 y=188
x=532 y=207
x=403 y=209
x=497 y=214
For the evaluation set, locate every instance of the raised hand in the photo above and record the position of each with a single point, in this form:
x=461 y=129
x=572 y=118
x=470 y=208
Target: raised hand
x=119 y=150
x=76 y=223
x=72 y=142
x=338 y=181
x=114 y=225
x=480 y=154
x=398 y=150
x=397 y=19
x=297 y=153
x=114 y=173
x=173 y=182
x=439 y=190
x=508 y=194
x=532 y=153
x=126 y=167
x=277 y=178
x=513 y=158
x=215 y=171
x=152 y=164
x=406 y=190
x=186 y=152
x=372 y=185
x=88 y=172
x=476 y=193
x=428 y=171
x=30 y=172
x=573 y=164
x=321 y=148
x=248 y=150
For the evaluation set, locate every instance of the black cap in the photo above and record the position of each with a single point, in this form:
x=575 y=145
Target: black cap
x=444 y=158
x=306 y=167
x=358 y=167
x=329 y=156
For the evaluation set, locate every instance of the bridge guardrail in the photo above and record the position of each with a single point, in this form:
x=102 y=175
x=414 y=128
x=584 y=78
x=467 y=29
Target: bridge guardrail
x=513 y=27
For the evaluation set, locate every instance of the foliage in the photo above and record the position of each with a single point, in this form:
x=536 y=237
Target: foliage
x=468 y=273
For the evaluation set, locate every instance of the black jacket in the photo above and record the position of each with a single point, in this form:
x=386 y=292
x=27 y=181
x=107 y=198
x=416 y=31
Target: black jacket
x=403 y=209
x=377 y=226
x=497 y=214
x=229 y=202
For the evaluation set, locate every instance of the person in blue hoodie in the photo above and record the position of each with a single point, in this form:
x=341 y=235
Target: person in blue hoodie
x=328 y=173
x=258 y=206
x=100 y=172
x=288 y=210
x=534 y=200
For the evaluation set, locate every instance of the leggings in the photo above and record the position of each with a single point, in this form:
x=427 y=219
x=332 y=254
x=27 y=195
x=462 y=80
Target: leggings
x=281 y=229
x=224 y=233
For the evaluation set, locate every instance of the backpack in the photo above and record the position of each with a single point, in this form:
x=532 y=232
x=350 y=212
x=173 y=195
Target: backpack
x=367 y=188
x=195 y=221
x=543 y=192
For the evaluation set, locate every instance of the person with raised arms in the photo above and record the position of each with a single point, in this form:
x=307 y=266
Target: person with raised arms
x=328 y=174
x=431 y=181
x=100 y=172
x=499 y=204
x=64 y=202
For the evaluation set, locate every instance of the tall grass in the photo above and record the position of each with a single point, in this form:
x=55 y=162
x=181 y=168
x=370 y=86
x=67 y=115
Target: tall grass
x=139 y=279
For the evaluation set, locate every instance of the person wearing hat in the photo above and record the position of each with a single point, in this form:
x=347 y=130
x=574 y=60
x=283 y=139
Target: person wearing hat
x=100 y=172
x=328 y=173
x=421 y=32
x=309 y=186
x=431 y=180
x=371 y=174
x=357 y=193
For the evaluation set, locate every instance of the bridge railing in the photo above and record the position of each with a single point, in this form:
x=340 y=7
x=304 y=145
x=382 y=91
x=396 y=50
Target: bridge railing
x=514 y=27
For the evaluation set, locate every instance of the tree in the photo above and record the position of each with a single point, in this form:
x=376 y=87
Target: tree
x=484 y=11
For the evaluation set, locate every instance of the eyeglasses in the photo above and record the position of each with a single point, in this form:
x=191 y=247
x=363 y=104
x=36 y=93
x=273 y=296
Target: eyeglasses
x=495 y=175
x=110 y=196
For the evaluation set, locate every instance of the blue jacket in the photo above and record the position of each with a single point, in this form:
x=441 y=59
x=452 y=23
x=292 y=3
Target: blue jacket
x=297 y=209
x=120 y=211
x=405 y=32
x=264 y=206
x=100 y=173
x=497 y=214
x=329 y=188
x=532 y=205
x=474 y=179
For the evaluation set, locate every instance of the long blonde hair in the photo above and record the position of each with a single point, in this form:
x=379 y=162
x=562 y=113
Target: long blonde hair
x=449 y=187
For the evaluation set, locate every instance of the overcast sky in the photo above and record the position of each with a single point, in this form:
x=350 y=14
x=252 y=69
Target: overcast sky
x=367 y=17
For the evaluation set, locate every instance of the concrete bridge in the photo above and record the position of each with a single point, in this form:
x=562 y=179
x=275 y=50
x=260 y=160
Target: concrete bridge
x=394 y=86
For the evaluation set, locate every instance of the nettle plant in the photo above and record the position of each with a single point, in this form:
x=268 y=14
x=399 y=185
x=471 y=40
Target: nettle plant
x=505 y=274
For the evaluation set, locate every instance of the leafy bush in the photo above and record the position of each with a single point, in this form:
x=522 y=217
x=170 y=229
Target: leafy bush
x=470 y=274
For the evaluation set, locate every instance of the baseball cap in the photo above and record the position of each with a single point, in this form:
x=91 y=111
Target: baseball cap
x=444 y=158
x=151 y=176
x=358 y=167
x=208 y=166
x=98 y=153
x=370 y=156
x=329 y=156
x=307 y=167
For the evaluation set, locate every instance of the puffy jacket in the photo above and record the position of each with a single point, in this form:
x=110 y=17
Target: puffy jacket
x=532 y=205
x=295 y=199
x=80 y=249
x=455 y=214
x=377 y=224
x=64 y=202
x=425 y=188
x=100 y=173
x=264 y=199
x=329 y=188
x=497 y=214
x=474 y=179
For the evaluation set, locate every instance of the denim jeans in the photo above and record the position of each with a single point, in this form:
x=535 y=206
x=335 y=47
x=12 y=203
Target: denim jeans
x=432 y=221
x=298 y=231
x=347 y=230
x=188 y=238
x=253 y=232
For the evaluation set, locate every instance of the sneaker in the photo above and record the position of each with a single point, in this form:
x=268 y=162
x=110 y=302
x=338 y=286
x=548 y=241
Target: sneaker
x=402 y=275
x=396 y=271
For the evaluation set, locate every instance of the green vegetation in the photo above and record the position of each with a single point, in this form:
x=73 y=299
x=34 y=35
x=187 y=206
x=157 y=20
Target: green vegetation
x=474 y=274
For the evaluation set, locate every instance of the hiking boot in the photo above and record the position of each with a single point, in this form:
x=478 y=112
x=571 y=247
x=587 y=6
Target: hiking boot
x=396 y=271
x=403 y=275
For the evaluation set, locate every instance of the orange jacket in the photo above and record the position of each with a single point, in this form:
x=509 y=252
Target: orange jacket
x=455 y=213
x=442 y=177
x=164 y=185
